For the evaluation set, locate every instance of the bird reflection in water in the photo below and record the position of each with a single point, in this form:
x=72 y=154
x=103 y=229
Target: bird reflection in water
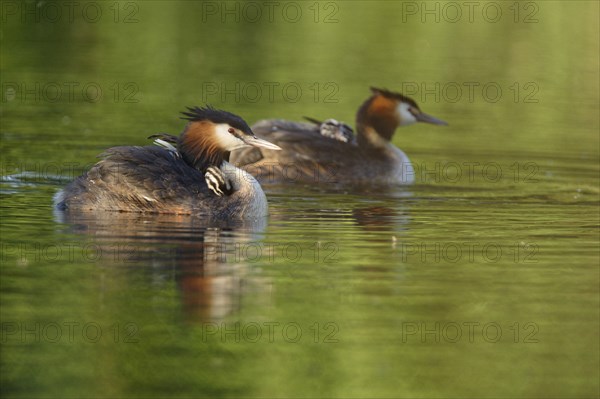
x=210 y=276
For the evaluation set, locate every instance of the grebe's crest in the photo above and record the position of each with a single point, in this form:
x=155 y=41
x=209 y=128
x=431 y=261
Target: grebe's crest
x=217 y=116
x=395 y=96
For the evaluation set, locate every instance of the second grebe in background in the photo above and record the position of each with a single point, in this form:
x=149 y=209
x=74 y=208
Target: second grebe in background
x=190 y=177
x=328 y=152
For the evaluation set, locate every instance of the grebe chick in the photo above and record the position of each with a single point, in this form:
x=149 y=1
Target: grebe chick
x=334 y=129
x=215 y=177
x=188 y=174
x=311 y=155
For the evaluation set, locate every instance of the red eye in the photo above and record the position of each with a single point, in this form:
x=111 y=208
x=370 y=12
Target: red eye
x=231 y=130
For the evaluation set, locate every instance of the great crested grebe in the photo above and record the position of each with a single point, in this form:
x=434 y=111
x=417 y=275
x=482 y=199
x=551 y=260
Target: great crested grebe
x=328 y=152
x=190 y=177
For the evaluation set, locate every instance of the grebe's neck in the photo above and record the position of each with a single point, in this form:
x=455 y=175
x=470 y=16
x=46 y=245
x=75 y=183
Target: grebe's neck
x=376 y=122
x=199 y=148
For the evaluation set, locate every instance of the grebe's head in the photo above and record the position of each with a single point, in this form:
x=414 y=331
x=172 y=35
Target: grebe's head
x=221 y=129
x=211 y=134
x=385 y=110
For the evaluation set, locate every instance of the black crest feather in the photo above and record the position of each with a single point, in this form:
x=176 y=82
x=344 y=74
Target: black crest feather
x=194 y=114
x=396 y=96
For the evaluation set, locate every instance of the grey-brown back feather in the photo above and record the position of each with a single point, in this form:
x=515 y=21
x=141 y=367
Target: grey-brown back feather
x=306 y=156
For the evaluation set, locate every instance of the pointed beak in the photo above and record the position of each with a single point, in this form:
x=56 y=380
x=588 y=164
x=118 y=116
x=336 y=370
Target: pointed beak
x=256 y=142
x=421 y=117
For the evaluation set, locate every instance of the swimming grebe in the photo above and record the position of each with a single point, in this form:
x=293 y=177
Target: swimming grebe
x=328 y=152
x=192 y=178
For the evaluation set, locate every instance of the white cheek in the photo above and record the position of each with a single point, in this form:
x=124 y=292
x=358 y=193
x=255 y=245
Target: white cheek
x=227 y=140
x=406 y=118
